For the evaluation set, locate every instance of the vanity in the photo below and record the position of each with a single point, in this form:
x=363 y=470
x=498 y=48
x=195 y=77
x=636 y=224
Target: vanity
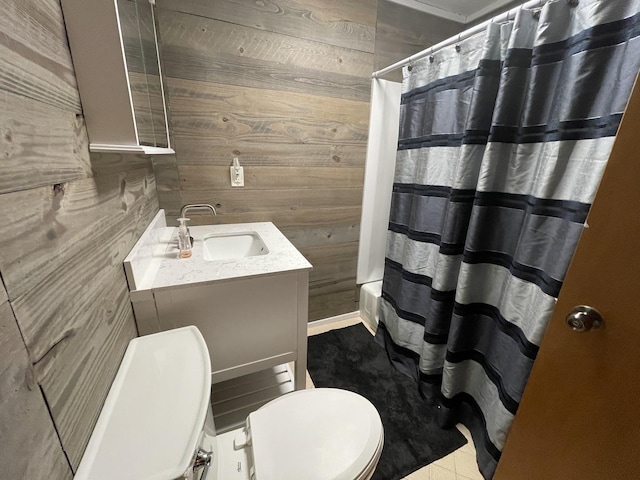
x=246 y=289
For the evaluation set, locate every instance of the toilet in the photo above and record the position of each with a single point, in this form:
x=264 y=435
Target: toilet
x=157 y=424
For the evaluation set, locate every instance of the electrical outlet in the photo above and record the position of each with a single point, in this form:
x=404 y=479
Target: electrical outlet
x=237 y=176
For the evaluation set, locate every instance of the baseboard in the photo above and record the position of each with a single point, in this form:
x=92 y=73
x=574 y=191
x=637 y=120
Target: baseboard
x=337 y=318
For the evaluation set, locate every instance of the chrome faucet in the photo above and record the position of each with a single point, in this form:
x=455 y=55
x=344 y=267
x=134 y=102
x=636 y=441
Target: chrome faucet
x=196 y=206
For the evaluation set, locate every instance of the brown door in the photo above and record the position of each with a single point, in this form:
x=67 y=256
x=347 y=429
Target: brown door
x=580 y=414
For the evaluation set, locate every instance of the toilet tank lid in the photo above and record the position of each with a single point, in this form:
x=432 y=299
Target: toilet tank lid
x=152 y=419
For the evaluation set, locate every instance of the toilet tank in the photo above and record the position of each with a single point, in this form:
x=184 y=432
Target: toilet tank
x=152 y=421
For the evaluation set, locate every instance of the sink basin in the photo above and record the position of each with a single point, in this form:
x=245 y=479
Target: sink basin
x=233 y=245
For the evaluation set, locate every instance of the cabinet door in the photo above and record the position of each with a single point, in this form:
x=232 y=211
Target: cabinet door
x=137 y=25
x=123 y=108
x=248 y=324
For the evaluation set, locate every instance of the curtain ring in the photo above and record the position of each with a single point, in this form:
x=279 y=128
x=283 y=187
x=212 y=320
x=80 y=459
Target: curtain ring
x=458 y=48
x=409 y=67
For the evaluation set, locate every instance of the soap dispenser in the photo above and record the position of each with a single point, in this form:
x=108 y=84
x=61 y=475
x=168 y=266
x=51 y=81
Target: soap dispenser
x=184 y=239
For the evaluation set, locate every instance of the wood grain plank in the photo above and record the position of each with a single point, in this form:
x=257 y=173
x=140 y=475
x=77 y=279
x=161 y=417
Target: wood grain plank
x=181 y=62
x=402 y=31
x=254 y=58
x=30 y=445
x=207 y=151
x=205 y=98
x=304 y=227
x=333 y=277
x=77 y=372
x=53 y=311
x=332 y=264
x=345 y=24
x=41 y=144
x=42 y=229
x=232 y=114
x=228 y=130
x=198 y=33
x=167 y=177
x=82 y=230
x=286 y=200
x=201 y=177
x=34 y=57
x=363 y=12
x=109 y=164
x=3 y=292
x=171 y=202
x=336 y=232
x=332 y=304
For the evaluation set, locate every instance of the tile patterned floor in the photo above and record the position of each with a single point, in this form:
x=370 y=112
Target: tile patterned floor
x=459 y=465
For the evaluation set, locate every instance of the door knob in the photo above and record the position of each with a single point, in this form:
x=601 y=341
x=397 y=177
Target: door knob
x=583 y=318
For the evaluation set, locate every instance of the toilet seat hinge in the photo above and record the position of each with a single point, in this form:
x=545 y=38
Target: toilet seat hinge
x=202 y=459
x=242 y=439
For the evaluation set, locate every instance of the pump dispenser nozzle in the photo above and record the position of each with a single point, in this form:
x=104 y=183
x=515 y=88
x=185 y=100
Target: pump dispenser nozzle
x=184 y=240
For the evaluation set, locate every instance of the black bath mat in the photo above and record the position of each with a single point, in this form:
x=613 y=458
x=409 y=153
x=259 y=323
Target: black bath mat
x=349 y=358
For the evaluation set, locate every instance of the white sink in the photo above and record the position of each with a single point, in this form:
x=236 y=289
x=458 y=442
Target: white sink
x=233 y=245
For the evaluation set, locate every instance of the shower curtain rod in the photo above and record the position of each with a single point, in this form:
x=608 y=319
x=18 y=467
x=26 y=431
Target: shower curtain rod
x=457 y=38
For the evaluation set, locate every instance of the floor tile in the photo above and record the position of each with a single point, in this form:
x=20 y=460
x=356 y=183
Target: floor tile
x=466 y=465
x=439 y=473
x=447 y=462
x=422 y=474
x=468 y=448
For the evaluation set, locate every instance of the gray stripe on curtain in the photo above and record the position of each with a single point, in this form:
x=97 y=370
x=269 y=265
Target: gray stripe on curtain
x=423 y=213
x=572 y=169
x=469 y=377
x=438 y=166
x=430 y=312
x=526 y=306
x=562 y=90
x=489 y=341
x=542 y=243
x=423 y=259
x=490 y=199
x=408 y=335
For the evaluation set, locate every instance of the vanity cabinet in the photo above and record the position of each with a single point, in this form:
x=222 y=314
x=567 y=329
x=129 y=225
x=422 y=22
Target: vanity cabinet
x=115 y=52
x=251 y=311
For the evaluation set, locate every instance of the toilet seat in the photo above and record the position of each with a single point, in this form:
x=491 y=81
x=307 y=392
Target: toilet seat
x=316 y=434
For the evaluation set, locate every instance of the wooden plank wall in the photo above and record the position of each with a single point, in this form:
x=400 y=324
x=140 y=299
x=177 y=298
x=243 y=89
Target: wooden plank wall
x=30 y=446
x=284 y=86
x=67 y=219
x=401 y=32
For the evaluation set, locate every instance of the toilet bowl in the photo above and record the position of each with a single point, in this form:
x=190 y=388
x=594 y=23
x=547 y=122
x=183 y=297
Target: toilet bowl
x=157 y=424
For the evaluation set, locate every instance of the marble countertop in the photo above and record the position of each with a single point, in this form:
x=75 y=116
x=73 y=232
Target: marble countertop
x=170 y=271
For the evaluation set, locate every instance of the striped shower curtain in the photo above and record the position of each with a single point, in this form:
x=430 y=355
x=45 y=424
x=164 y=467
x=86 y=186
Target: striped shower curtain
x=503 y=141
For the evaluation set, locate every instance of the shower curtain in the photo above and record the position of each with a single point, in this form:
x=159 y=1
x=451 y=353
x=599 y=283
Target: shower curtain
x=503 y=141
